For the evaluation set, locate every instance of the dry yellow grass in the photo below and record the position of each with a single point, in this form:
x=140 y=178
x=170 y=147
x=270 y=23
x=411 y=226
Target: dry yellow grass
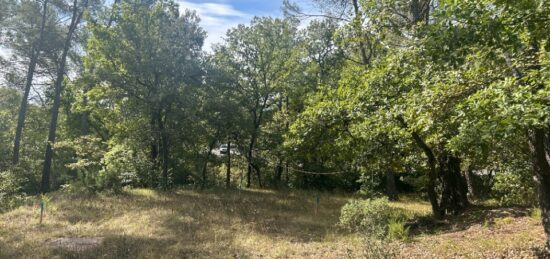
x=144 y=223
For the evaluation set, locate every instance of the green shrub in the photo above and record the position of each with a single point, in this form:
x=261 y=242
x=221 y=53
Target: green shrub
x=17 y=183
x=371 y=217
x=125 y=167
x=536 y=214
x=514 y=189
x=397 y=229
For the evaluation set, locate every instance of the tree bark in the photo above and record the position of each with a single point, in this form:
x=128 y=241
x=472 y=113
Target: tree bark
x=154 y=149
x=228 y=172
x=250 y=158
x=58 y=85
x=541 y=168
x=454 y=198
x=279 y=172
x=539 y=144
x=391 y=189
x=358 y=30
x=35 y=53
x=469 y=181
x=432 y=175
x=165 y=152
x=420 y=11
x=205 y=165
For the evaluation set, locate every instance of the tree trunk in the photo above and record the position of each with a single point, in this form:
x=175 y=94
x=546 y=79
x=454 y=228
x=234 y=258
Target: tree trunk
x=454 y=197
x=250 y=159
x=154 y=144
x=420 y=11
x=35 y=52
x=165 y=149
x=58 y=85
x=469 y=181
x=359 y=33
x=391 y=189
x=155 y=147
x=228 y=173
x=541 y=167
x=287 y=178
x=205 y=165
x=249 y=168
x=279 y=172
x=432 y=175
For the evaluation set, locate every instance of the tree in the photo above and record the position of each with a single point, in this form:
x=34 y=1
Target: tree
x=34 y=53
x=150 y=57
x=510 y=54
x=77 y=9
x=255 y=57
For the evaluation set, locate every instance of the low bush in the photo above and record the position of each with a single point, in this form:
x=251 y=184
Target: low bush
x=398 y=230
x=512 y=189
x=373 y=217
x=536 y=214
x=15 y=187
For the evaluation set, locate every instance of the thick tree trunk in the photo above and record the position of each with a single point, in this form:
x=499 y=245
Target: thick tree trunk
x=35 y=53
x=541 y=167
x=58 y=85
x=391 y=189
x=432 y=175
x=228 y=172
x=454 y=198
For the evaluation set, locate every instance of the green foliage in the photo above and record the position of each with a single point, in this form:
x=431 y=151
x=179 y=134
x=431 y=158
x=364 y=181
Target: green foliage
x=9 y=99
x=514 y=188
x=373 y=218
x=536 y=214
x=122 y=166
x=397 y=229
x=16 y=184
x=11 y=194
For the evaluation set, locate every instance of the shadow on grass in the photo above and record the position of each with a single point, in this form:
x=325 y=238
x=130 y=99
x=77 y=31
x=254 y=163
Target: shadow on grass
x=284 y=215
x=475 y=215
x=191 y=223
x=121 y=246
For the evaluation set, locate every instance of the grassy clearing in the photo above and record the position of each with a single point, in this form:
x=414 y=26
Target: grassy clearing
x=242 y=224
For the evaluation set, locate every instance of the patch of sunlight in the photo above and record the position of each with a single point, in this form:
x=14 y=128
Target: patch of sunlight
x=416 y=208
x=149 y=193
x=499 y=222
x=267 y=191
x=140 y=222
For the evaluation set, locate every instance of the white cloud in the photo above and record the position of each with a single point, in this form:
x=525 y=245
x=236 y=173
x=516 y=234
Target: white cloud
x=216 y=19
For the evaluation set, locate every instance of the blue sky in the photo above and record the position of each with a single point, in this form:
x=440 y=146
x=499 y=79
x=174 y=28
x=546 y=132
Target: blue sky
x=219 y=15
